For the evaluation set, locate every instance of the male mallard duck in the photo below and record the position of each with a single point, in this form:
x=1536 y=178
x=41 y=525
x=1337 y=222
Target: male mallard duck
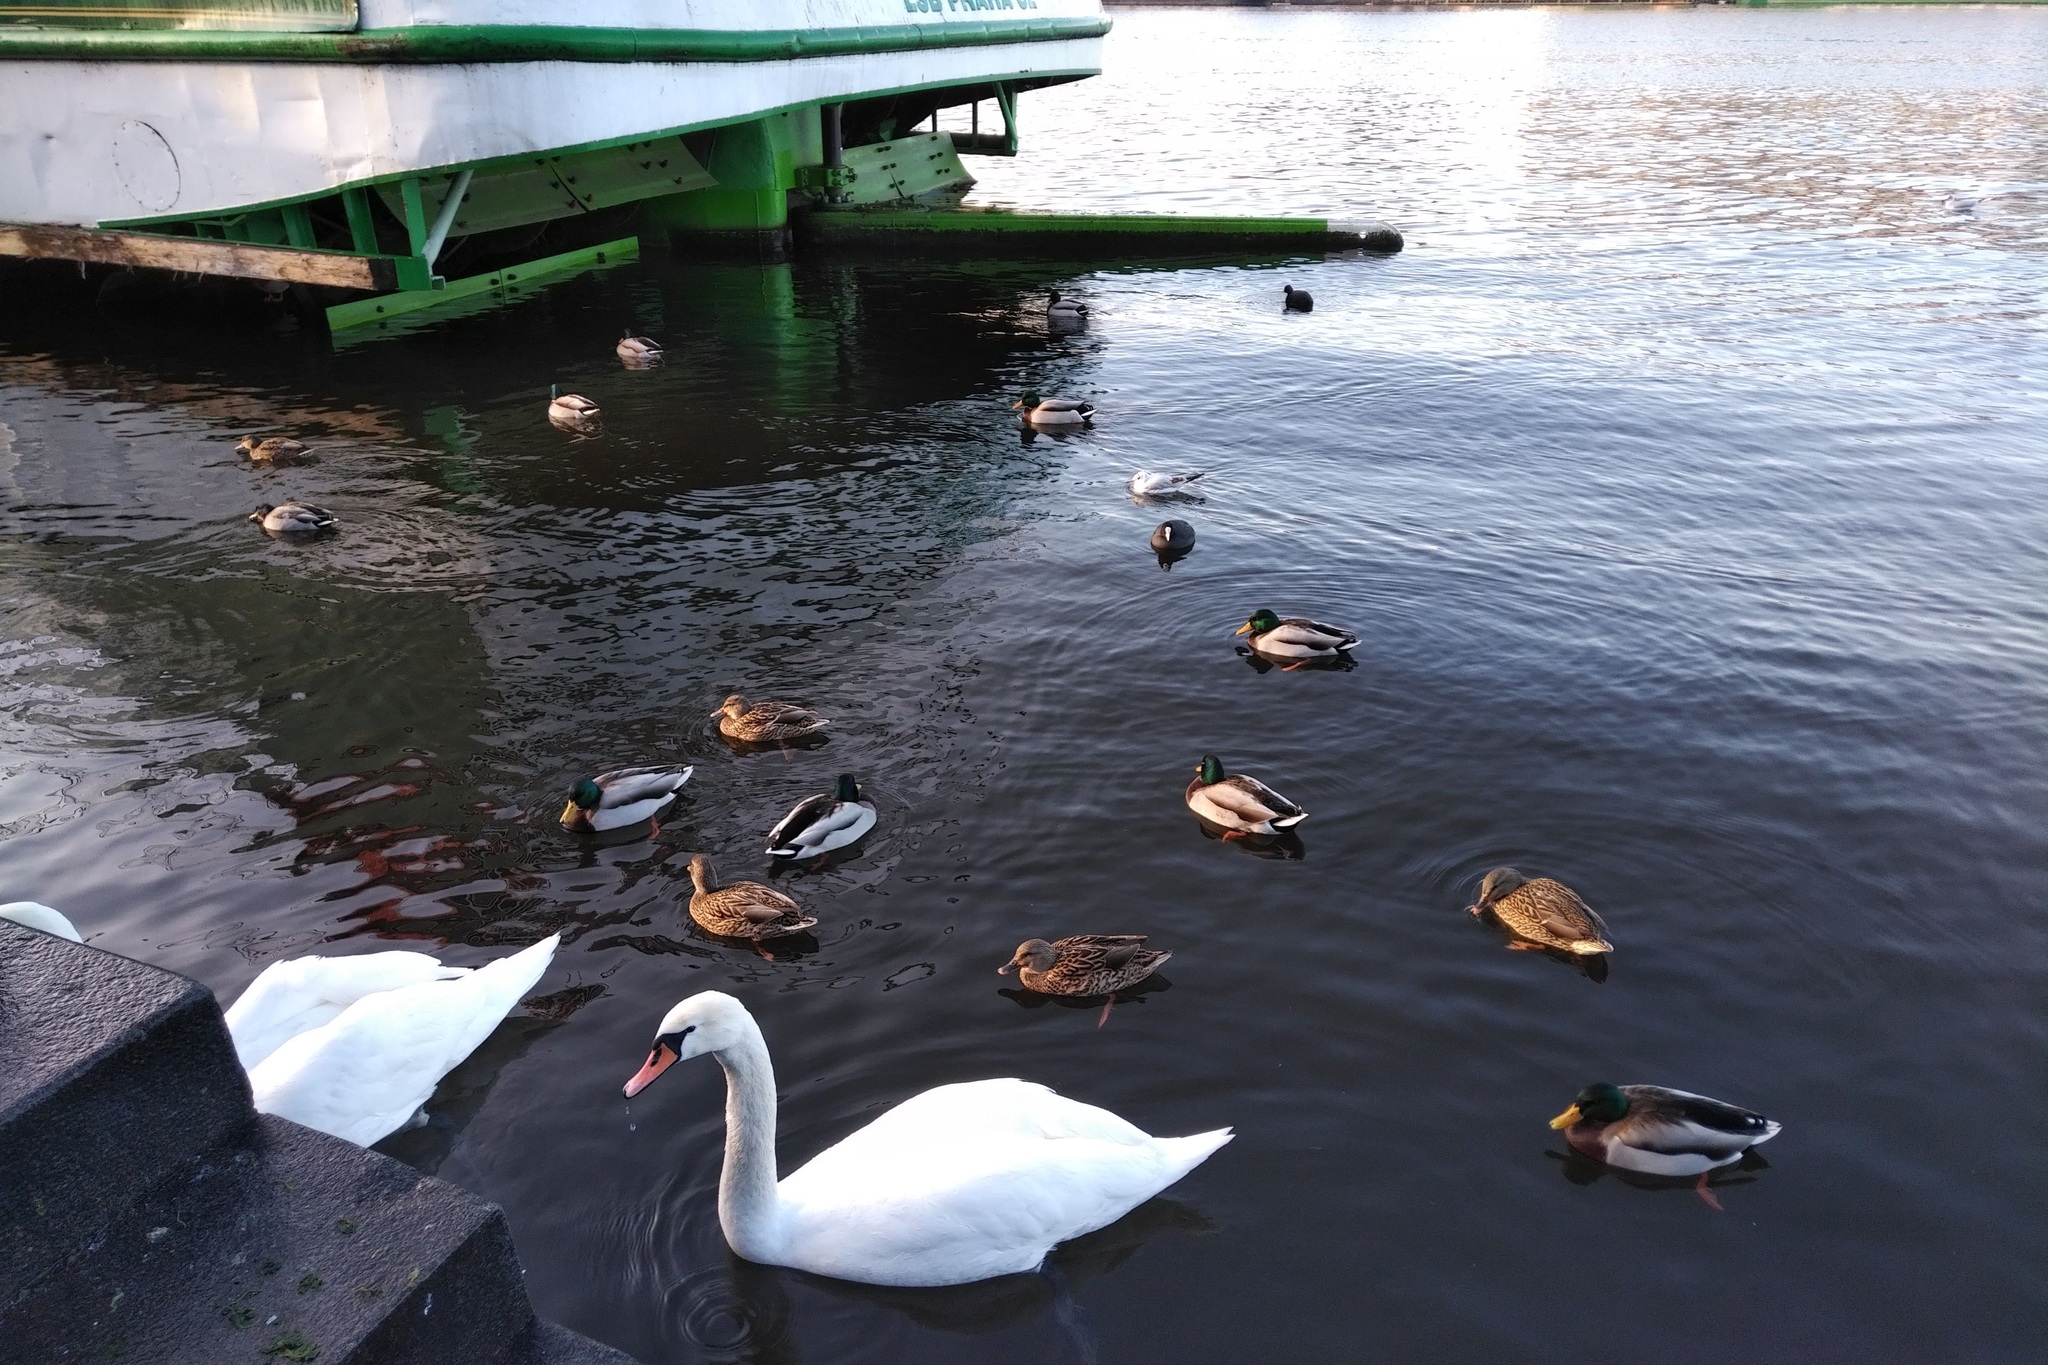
x=1296 y=300
x=1084 y=964
x=1661 y=1132
x=293 y=519
x=570 y=410
x=271 y=448
x=1239 y=803
x=616 y=800
x=1065 y=310
x=636 y=350
x=1542 y=912
x=766 y=722
x=824 y=822
x=1054 y=412
x=1149 y=483
x=1295 y=637
x=744 y=909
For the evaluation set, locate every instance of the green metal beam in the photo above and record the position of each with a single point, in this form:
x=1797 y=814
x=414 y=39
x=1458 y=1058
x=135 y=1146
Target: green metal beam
x=362 y=231
x=467 y=43
x=387 y=307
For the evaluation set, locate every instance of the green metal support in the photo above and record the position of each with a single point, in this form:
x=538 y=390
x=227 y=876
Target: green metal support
x=507 y=284
x=362 y=231
x=298 y=226
x=415 y=215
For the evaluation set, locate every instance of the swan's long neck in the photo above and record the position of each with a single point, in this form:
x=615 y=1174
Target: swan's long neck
x=749 y=1209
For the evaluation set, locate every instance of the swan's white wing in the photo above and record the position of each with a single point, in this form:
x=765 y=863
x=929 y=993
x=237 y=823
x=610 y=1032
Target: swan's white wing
x=968 y=1181
x=302 y=993
x=361 y=1076
x=34 y=915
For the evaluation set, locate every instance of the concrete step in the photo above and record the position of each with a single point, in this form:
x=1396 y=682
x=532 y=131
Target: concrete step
x=148 y=1214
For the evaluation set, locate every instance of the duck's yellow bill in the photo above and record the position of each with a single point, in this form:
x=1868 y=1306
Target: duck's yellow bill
x=1567 y=1118
x=570 y=814
x=1016 y=405
x=1244 y=629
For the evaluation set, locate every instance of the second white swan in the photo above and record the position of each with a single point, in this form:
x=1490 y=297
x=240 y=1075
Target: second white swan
x=961 y=1183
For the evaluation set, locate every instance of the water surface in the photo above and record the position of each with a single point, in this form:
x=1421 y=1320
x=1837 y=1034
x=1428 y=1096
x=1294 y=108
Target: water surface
x=1683 y=477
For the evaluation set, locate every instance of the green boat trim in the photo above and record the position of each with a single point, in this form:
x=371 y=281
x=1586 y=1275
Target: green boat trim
x=470 y=43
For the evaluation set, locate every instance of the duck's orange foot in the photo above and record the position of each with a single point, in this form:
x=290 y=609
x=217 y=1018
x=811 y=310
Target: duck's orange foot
x=1103 y=1018
x=1707 y=1194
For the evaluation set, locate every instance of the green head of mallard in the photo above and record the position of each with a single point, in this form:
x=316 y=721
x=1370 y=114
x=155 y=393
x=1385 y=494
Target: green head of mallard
x=846 y=789
x=1027 y=402
x=585 y=795
x=1261 y=622
x=1210 y=770
x=1597 y=1103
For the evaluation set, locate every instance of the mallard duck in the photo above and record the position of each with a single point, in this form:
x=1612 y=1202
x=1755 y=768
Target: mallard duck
x=637 y=350
x=1295 y=637
x=618 y=799
x=33 y=915
x=1151 y=483
x=365 y=1073
x=1296 y=300
x=823 y=822
x=1060 y=309
x=1541 y=912
x=1239 y=803
x=294 y=519
x=1661 y=1132
x=271 y=448
x=1085 y=964
x=960 y=1183
x=766 y=722
x=744 y=909
x=1054 y=412
x=570 y=410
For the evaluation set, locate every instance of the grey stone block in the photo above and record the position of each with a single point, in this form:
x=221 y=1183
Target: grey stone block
x=112 y=1073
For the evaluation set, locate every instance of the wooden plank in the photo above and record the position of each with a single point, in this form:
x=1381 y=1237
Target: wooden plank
x=193 y=256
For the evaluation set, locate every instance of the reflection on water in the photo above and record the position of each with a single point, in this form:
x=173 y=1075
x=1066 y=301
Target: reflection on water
x=1674 y=479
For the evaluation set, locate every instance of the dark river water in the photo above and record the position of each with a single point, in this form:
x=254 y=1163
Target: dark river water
x=1684 y=479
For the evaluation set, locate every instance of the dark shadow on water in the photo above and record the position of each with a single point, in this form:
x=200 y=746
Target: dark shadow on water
x=1286 y=846
x=1592 y=966
x=463 y=1092
x=1032 y=1000
x=1580 y=1169
x=1342 y=663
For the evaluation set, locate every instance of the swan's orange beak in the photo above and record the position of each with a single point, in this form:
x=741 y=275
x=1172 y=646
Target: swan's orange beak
x=1567 y=1118
x=661 y=1059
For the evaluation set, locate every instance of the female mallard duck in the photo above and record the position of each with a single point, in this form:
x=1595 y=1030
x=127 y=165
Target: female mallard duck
x=1152 y=483
x=1296 y=300
x=620 y=799
x=1542 y=913
x=766 y=722
x=1239 y=803
x=271 y=448
x=570 y=410
x=294 y=519
x=1059 y=309
x=1054 y=412
x=1295 y=637
x=824 y=822
x=1661 y=1132
x=743 y=909
x=1085 y=964
x=637 y=350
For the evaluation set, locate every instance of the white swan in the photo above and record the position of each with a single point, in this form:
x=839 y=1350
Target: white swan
x=38 y=916
x=364 y=1074
x=302 y=993
x=961 y=1183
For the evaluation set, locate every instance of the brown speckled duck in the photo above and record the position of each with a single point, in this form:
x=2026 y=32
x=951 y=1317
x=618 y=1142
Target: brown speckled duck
x=1542 y=913
x=271 y=448
x=743 y=910
x=766 y=722
x=1085 y=964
